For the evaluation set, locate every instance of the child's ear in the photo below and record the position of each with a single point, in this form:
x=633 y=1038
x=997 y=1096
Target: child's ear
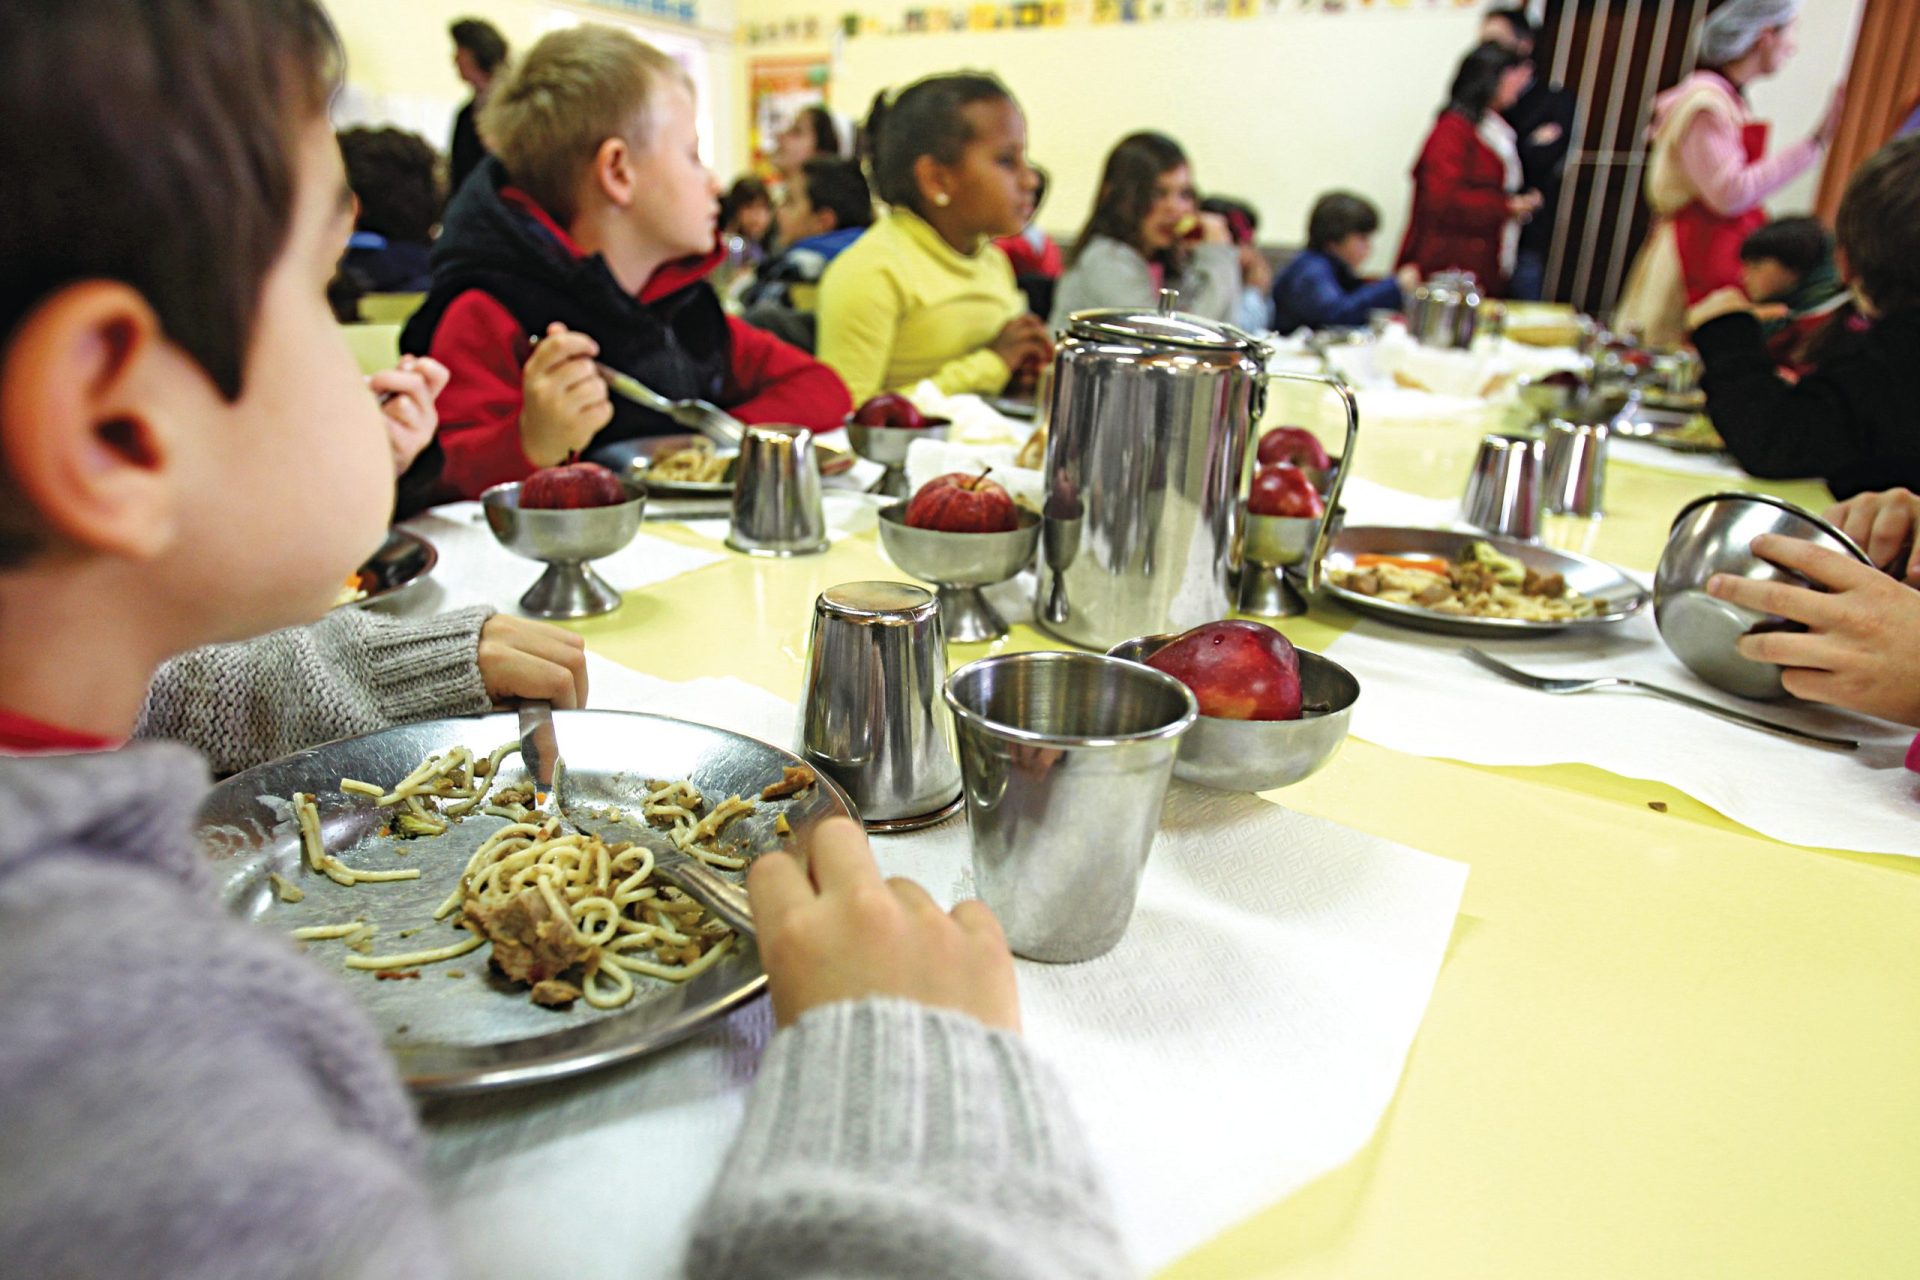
x=84 y=422
x=613 y=171
x=931 y=180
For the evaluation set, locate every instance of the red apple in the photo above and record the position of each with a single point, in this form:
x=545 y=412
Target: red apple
x=1293 y=444
x=1237 y=670
x=889 y=410
x=962 y=503
x=1284 y=490
x=570 y=487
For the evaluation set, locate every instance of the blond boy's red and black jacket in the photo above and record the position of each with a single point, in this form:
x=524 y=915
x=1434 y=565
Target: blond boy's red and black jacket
x=504 y=269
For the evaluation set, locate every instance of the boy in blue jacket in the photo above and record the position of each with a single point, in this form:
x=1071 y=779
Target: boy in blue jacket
x=1321 y=288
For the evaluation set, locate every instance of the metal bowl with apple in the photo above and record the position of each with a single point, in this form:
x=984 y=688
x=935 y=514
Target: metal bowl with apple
x=573 y=516
x=883 y=429
x=1261 y=755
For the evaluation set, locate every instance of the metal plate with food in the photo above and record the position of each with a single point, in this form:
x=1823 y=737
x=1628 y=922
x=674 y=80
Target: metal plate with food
x=423 y=925
x=402 y=561
x=1474 y=583
x=1681 y=430
x=693 y=467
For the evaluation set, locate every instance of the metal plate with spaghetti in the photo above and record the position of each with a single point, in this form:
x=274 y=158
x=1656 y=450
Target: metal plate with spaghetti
x=477 y=1031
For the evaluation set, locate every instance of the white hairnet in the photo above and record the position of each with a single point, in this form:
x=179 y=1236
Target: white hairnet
x=1734 y=27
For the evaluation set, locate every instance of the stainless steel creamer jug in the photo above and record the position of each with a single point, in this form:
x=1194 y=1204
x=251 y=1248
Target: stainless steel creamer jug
x=1149 y=420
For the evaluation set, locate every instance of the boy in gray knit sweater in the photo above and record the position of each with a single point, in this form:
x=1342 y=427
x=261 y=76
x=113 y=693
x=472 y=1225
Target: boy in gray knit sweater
x=188 y=458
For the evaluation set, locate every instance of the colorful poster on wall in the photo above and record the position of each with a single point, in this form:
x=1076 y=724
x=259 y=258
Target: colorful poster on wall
x=778 y=89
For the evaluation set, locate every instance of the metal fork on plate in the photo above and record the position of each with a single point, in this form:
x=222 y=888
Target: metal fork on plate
x=1546 y=684
x=540 y=753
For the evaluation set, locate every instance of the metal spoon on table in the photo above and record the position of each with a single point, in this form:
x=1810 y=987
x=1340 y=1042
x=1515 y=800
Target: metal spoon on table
x=540 y=753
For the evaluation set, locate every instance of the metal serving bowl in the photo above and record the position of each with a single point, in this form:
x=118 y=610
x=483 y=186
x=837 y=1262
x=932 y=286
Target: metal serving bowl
x=1714 y=535
x=1260 y=755
x=888 y=446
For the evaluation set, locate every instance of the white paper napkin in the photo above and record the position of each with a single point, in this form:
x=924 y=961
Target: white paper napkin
x=1244 y=1038
x=1718 y=466
x=475 y=569
x=1419 y=695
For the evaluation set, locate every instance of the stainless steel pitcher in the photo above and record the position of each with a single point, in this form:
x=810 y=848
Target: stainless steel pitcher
x=1150 y=420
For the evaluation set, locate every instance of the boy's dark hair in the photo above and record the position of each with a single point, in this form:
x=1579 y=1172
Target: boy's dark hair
x=1043 y=182
x=1479 y=79
x=1516 y=19
x=840 y=186
x=826 y=139
x=1243 y=220
x=1126 y=188
x=481 y=39
x=395 y=175
x=924 y=119
x=744 y=191
x=1798 y=244
x=1337 y=215
x=154 y=142
x=1879 y=226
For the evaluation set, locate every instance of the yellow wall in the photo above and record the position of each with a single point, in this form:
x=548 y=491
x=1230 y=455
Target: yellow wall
x=1275 y=109
x=400 y=59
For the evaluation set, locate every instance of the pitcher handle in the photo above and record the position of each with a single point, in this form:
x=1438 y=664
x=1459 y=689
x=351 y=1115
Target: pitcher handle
x=1317 y=557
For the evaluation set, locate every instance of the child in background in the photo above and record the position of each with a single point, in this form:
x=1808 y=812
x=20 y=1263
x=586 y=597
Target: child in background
x=1254 y=311
x=1851 y=420
x=824 y=210
x=394 y=179
x=1787 y=267
x=1032 y=254
x=923 y=294
x=1320 y=287
x=1140 y=238
x=173 y=391
x=746 y=221
x=592 y=226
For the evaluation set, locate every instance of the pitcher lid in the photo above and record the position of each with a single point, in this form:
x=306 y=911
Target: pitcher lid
x=1163 y=326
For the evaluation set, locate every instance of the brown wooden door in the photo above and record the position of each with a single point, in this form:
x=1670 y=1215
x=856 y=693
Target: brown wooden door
x=1616 y=56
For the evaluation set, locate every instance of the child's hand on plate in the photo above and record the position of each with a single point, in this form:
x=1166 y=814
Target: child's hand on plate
x=1862 y=635
x=407 y=392
x=535 y=661
x=833 y=930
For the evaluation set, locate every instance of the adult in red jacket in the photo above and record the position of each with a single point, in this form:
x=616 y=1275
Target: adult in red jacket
x=1467 y=203
x=504 y=269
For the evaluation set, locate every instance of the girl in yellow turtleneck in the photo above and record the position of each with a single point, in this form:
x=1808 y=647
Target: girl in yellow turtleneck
x=924 y=293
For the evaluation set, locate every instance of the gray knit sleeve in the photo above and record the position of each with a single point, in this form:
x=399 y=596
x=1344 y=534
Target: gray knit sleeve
x=1107 y=273
x=1210 y=286
x=352 y=672
x=886 y=1139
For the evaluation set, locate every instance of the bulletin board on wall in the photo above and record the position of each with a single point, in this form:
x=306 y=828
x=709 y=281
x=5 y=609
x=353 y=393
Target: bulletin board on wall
x=778 y=89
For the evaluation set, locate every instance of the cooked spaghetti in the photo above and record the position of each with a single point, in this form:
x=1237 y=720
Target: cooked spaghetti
x=566 y=913
x=696 y=463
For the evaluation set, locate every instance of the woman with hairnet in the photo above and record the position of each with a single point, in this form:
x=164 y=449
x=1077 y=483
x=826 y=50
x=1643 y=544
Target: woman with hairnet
x=1708 y=171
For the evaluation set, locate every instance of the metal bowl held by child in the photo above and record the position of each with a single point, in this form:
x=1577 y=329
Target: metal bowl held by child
x=1260 y=755
x=1714 y=535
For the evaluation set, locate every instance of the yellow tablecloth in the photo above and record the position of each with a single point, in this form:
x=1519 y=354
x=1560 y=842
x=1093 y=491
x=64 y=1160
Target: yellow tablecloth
x=1661 y=1046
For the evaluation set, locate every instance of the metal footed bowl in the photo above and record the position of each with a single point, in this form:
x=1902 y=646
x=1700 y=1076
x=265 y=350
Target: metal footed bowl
x=566 y=541
x=888 y=446
x=959 y=564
